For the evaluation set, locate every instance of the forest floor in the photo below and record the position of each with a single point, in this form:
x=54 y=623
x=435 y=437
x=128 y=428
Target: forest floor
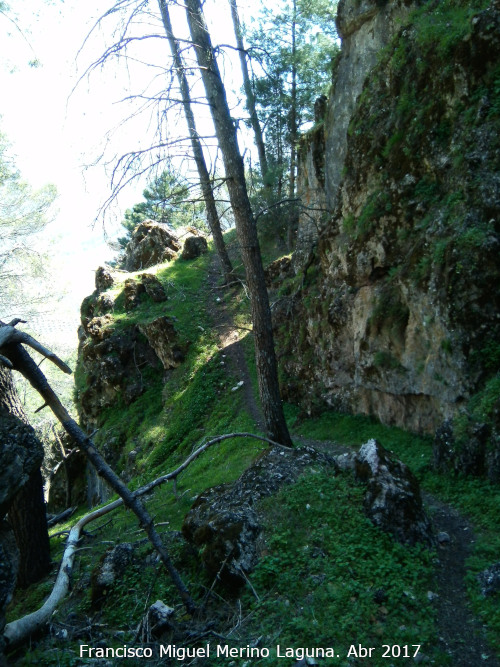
x=461 y=635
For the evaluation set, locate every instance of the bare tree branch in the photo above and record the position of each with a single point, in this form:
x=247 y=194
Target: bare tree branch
x=23 y=363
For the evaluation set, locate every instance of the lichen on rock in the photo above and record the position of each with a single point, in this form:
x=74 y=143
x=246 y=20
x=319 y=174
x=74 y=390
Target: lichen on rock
x=151 y=243
x=394 y=308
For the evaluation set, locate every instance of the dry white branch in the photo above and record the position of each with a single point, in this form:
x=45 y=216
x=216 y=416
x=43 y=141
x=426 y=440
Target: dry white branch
x=20 y=630
x=10 y=335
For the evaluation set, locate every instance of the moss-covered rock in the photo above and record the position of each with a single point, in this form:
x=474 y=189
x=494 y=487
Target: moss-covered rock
x=400 y=299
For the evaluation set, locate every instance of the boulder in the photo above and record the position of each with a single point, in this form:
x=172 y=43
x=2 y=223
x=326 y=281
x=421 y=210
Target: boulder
x=151 y=243
x=277 y=271
x=223 y=522
x=153 y=287
x=112 y=368
x=98 y=327
x=133 y=291
x=392 y=500
x=105 y=303
x=109 y=570
x=194 y=246
x=103 y=279
x=489 y=580
x=163 y=338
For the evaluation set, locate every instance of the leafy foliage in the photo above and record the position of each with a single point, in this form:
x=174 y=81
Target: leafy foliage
x=309 y=54
x=24 y=212
x=167 y=200
x=323 y=565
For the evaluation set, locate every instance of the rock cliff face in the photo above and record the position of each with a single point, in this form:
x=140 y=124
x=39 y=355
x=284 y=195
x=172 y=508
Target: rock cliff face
x=394 y=307
x=365 y=27
x=119 y=361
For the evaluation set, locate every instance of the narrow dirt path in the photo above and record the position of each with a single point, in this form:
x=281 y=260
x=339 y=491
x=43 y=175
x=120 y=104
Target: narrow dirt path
x=230 y=343
x=461 y=635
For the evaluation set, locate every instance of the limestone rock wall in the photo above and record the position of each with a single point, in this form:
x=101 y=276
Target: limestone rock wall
x=397 y=312
x=120 y=360
x=365 y=27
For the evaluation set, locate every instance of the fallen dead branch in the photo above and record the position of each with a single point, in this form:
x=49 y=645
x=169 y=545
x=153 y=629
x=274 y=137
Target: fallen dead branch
x=18 y=631
x=62 y=516
x=11 y=348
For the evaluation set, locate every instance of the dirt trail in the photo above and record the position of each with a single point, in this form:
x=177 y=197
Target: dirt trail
x=461 y=635
x=231 y=345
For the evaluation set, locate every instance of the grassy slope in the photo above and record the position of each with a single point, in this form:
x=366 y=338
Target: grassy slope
x=322 y=561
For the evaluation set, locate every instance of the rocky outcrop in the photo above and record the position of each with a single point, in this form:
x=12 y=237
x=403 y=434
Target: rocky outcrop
x=103 y=279
x=147 y=284
x=224 y=522
x=194 y=246
x=163 y=339
x=153 y=287
x=365 y=27
x=151 y=243
x=392 y=500
x=396 y=312
x=111 y=361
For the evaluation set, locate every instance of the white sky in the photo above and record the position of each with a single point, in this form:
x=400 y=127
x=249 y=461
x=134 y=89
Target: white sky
x=54 y=134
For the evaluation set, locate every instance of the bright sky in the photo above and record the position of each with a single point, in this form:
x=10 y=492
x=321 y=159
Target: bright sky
x=51 y=135
x=55 y=132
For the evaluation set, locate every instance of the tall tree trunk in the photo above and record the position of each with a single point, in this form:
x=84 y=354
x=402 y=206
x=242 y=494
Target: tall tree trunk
x=203 y=174
x=293 y=129
x=29 y=522
x=250 y=97
x=26 y=510
x=267 y=371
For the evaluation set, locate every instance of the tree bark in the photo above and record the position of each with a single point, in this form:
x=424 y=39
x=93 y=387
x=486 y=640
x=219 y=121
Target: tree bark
x=267 y=371
x=26 y=511
x=28 y=519
x=293 y=129
x=250 y=97
x=203 y=174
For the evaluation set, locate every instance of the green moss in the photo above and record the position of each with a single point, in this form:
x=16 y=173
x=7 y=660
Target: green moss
x=323 y=563
x=386 y=360
x=486 y=402
x=389 y=312
x=377 y=205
